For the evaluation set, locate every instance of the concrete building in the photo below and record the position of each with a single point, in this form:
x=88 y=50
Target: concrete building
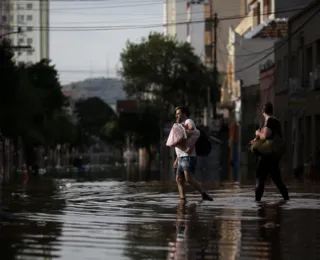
x=225 y=9
x=33 y=19
x=175 y=19
x=297 y=88
x=267 y=82
x=4 y=16
x=196 y=26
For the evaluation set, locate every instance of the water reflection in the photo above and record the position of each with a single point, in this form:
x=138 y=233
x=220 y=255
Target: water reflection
x=30 y=225
x=116 y=219
x=194 y=239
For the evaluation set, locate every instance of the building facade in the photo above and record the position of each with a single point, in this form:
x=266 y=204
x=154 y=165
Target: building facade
x=175 y=19
x=297 y=94
x=267 y=83
x=196 y=26
x=4 y=17
x=33 y=19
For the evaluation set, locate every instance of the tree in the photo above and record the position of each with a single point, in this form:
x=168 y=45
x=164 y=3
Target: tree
x=31 y=102
x=165 y=68
x=143 y=126
x=93 y=114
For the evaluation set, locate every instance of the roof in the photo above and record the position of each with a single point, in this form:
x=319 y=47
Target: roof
x=271 y=28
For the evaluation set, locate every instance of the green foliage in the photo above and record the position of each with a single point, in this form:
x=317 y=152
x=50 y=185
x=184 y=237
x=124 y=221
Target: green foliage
x=166 y=68
x=32 y=103
x=93 y=113
x=113 y=133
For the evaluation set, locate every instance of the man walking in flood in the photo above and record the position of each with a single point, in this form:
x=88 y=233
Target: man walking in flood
x=186 y=161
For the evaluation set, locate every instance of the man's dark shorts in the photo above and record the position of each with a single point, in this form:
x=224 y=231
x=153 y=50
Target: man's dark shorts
x=186 y=164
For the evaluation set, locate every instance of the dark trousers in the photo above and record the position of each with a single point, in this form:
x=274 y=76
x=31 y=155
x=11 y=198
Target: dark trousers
x=269 y=165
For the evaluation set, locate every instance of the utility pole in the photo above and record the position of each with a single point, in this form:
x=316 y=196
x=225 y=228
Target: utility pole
x=215 y=66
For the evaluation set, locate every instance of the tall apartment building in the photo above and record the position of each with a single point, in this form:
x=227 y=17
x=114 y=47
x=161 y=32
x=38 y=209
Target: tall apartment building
x=175 y=19
x=33 y=19
x=4 y=16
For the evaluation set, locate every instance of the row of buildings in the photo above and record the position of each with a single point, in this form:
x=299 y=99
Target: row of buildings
x=269 y=50
x=31 y=19
x=272 y=56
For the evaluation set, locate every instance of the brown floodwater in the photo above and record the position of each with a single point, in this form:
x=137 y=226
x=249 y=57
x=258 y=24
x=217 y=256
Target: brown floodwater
x=115 y=219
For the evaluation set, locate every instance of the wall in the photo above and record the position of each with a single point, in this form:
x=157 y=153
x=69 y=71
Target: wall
x=226 y=8
x=249 y=121
x=267 y=82
x=196 y=33
x=176 y=12
x=31 y=34
x=300 y=119
x=245 y=52
x=4 y=12
x=281 y=5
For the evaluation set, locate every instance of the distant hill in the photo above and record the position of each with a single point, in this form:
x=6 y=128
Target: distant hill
x=108 y=89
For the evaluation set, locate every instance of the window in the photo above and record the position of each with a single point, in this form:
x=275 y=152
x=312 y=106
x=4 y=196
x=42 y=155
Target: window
x=293 y=66
x=258 y=13
x=318 y=52
x=29 y=28
x=279 y=71
x=309 y=61
x=266 y=9
x=4 y=18
x=29 y=41
x=29 y=52
x=29 y=17
x=21 y=40
x=20 y=18
x=307 y=66
x=208 y=52
x=208 y=25
x=11 y=18
x=29 y=6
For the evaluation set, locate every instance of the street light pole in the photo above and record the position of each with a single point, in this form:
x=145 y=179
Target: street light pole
x=9 y=33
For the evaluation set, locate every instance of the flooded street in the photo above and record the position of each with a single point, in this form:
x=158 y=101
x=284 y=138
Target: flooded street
x=112 y=219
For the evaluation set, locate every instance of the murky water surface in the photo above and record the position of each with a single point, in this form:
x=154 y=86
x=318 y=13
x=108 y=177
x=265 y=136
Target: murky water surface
x=65 y=219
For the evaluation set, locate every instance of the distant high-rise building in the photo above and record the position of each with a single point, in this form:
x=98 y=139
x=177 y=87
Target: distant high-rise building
x=175 y=19
x=4 y=17
x=33 y=19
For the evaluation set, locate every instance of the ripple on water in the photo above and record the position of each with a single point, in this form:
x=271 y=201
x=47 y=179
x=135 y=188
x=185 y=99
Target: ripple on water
x=123 y=220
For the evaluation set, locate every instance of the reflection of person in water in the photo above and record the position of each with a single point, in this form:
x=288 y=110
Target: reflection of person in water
x=269 y=228
x=189 y=235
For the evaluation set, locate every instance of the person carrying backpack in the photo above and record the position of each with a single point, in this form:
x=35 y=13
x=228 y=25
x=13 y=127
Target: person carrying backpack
x=186 y=161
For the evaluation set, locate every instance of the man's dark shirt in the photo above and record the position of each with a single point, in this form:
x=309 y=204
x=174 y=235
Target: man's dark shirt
x=274 y=125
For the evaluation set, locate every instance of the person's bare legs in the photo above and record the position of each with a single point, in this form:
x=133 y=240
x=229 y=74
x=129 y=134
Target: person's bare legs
x=189 y=179
x=180 y=183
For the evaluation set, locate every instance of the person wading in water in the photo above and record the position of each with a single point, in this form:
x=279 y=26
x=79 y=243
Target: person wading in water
x=185 y=163
x=269 y=164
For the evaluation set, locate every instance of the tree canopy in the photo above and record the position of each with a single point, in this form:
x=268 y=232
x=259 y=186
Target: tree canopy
x=31 y=102
x=165 y=68
x=93 y=113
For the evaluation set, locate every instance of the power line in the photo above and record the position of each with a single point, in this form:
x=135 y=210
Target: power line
x=281 y=43
x=128 y=27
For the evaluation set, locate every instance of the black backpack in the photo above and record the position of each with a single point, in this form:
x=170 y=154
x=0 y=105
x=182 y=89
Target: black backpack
x=203 y=144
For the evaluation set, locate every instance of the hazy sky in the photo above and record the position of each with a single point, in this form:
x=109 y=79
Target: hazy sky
x=79 y=52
